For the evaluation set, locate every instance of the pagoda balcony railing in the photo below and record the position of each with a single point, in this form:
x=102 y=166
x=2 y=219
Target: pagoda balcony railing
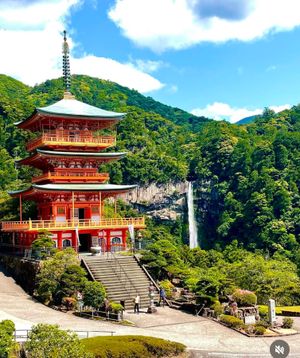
x=36 y=225
x=72 y=176
x=68 y=139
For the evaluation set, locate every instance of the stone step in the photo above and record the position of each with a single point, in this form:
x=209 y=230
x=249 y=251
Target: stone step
x=121 y=279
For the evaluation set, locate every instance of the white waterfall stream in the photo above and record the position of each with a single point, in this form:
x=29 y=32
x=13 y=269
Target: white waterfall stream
x=193 y=236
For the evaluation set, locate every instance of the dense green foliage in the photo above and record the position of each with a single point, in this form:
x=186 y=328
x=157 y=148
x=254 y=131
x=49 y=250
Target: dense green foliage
x=213 y=274
x=132 y=346
x=7 y=343
x=46 y=340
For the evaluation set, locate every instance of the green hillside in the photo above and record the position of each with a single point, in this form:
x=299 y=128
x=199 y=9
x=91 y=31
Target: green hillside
x=246 y=176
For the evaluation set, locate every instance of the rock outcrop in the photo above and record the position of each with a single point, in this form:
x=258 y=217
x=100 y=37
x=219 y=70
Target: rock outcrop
x=166 y=202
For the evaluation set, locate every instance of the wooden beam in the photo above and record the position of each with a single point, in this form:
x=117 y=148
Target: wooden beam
x=73 y=209
x=21 y=210
x=100 y=205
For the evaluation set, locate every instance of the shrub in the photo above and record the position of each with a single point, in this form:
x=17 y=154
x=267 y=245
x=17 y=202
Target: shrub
x=7 y=344
x=287 y=322
x=69 y=302
x=131 y=347
x=168 y=287
x=46 y=340
x=244 y=297
x=263 y=323
x=43 y=245
x=116 y=307
x=93 y=294
x=231 y=321
x=259 y=330
x=263 y=311
x=218 y=308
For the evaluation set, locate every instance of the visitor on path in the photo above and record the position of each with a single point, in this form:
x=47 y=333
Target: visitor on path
x=137 y=304
x=162 y=296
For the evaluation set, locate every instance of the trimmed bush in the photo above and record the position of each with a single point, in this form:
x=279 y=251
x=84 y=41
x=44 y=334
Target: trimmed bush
x=116 y=307
x=259 y=330
x=131 y=347
x=263 y=311
x=218 y=308
x=231 y=321
x=263 y=324
x=244 y=297
x=287 y=322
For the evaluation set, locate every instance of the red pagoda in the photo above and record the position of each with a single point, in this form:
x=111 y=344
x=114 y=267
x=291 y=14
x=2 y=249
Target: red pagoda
x=70 y=191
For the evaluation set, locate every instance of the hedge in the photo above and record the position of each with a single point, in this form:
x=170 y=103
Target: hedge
x=131 y=347
x=231 y=321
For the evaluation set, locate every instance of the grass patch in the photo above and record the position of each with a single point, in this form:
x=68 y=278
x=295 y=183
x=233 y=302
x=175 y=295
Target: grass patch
x=131 y=347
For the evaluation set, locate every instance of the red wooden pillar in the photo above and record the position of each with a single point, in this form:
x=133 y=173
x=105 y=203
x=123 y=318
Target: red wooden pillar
x=124 y=234
x=59 y=240
x=108 y=240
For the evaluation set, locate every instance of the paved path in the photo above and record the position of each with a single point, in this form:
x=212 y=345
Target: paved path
x=199 y=334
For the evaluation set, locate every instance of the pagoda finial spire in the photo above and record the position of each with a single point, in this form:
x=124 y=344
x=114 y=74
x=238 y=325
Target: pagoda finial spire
x=66 y=67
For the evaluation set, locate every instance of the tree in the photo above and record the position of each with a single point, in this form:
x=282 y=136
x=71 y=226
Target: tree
x=7 y=343
x=43 y=245
x=93 y=294
x=49 y=278
x=46 y=340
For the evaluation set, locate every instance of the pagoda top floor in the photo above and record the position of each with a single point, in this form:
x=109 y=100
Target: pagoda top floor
x=70 y=113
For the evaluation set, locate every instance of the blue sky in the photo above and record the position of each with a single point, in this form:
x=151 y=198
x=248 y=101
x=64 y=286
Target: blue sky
x=219 y=58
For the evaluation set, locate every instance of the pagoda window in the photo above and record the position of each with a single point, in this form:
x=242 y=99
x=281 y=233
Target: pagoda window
x=61 y=210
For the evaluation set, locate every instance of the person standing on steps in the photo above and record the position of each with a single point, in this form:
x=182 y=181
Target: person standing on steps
x=162 y=296
x=137 y=304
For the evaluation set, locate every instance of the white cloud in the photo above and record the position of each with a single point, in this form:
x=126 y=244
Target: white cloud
x=108 y=69
x=31 y=43
x=177 y=24
x=148 y=66
x=223 y=111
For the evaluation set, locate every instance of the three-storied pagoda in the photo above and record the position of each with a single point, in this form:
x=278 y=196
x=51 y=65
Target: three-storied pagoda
x=70 y=192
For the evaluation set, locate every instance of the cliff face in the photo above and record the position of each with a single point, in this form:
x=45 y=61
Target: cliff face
x=166 y=202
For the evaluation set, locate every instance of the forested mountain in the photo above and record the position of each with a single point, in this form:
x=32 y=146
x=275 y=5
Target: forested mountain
x=246 y=176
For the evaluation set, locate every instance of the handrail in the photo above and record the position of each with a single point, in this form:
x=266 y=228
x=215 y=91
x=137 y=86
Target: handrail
x=24 y=333
x=148 y=275
x=70 y=224
x=127 y=278
x=64 y=175
x=69 y=138
x=88 y=269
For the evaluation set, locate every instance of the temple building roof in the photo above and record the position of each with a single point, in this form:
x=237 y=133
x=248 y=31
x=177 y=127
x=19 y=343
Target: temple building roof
x=81 y=154
x=42 y=158
x=72 y=107
x=103 y=188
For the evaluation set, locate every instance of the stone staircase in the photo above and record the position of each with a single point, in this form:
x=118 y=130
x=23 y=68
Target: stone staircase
x=122 y=277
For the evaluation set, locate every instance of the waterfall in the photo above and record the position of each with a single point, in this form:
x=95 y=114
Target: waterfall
x=193 y=237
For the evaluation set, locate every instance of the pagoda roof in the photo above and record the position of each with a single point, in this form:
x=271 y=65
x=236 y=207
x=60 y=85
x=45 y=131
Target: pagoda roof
x=70 y=107
x=104 y=188
x=80 y=154
x=37 y=159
